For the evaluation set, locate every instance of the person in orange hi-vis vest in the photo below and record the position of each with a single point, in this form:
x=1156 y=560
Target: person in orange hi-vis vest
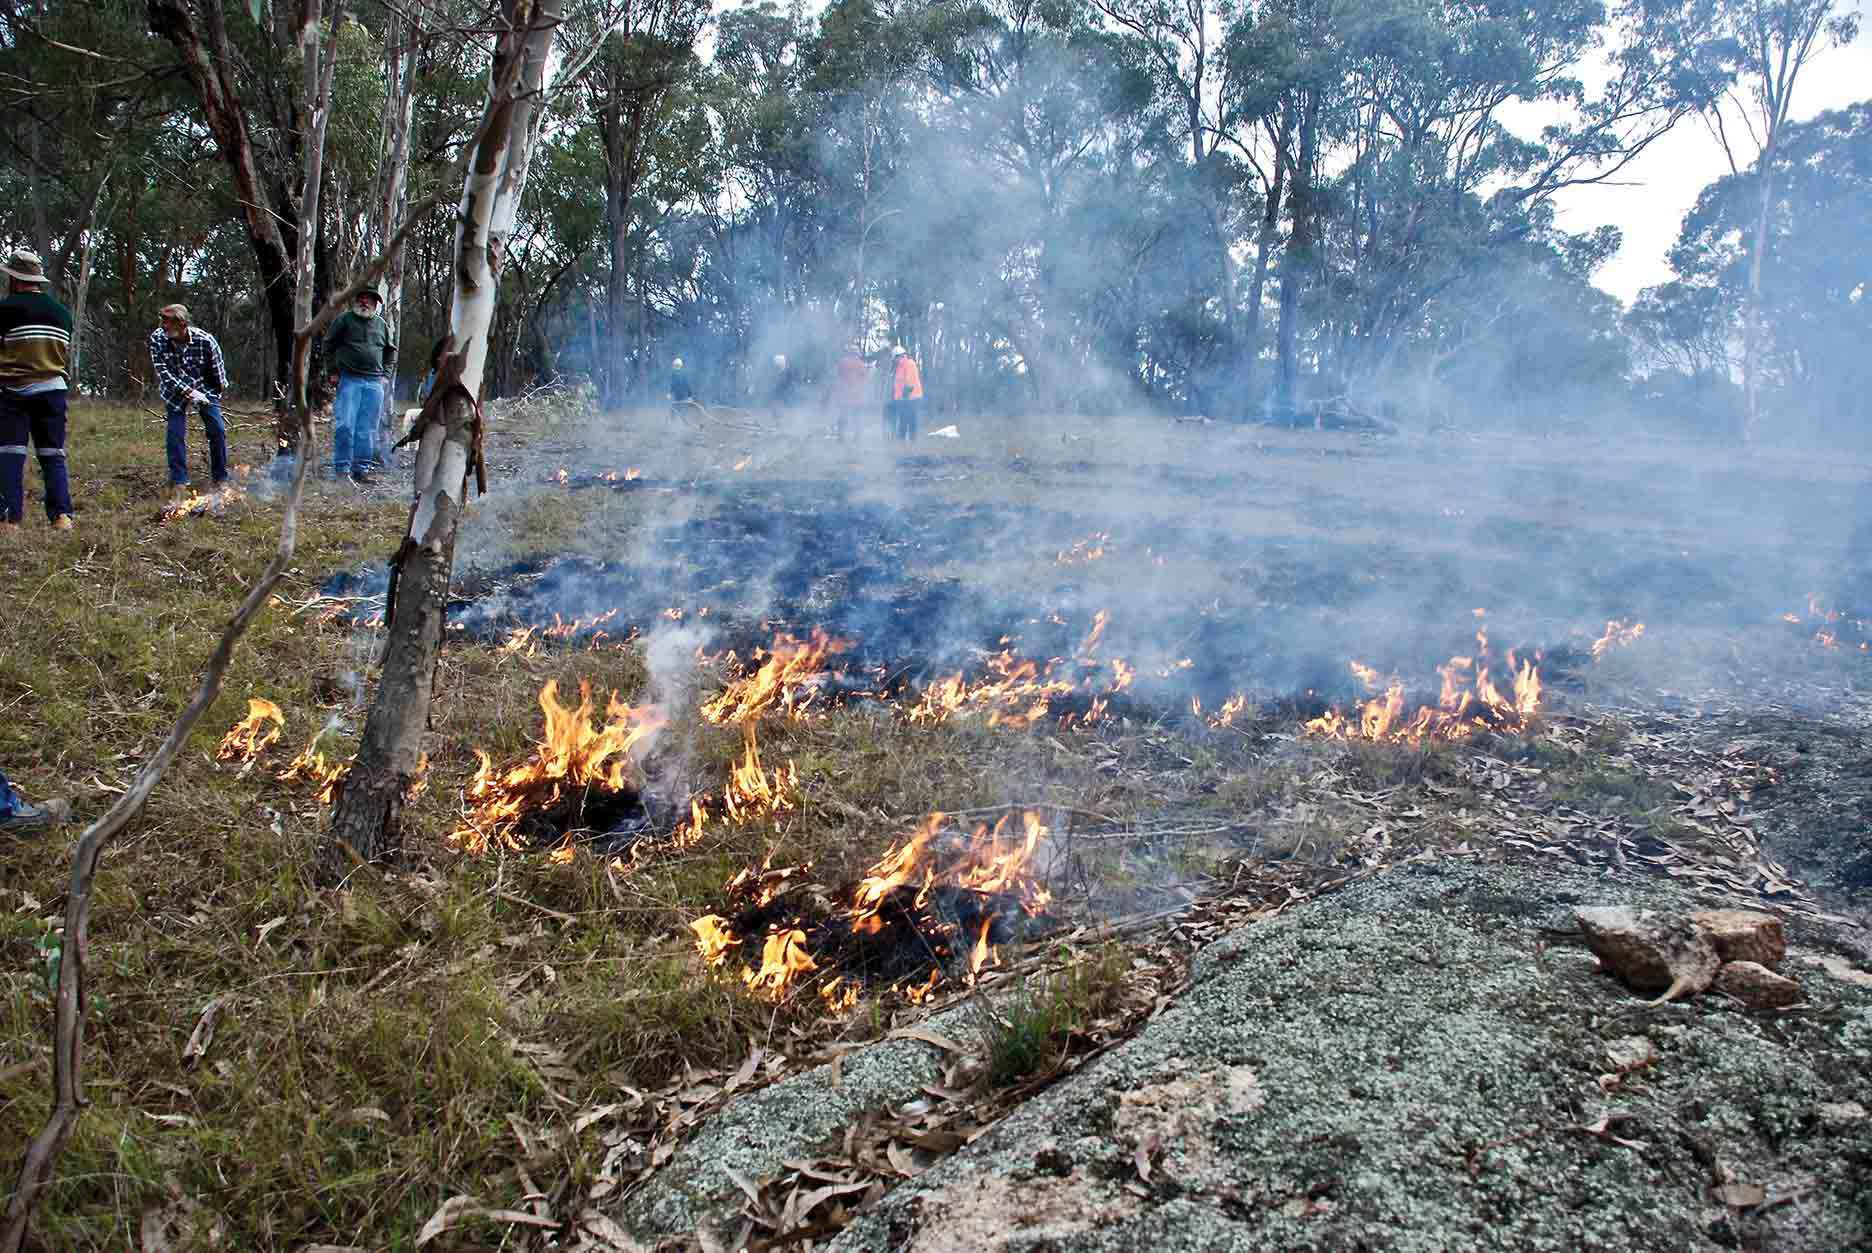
x=906 y=394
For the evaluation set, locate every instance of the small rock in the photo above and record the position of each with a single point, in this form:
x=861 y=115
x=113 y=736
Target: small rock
x=1744 y=935
x=1756 y=986
x=1631 y=1052
x=1841 y=1113
x=1651 y=952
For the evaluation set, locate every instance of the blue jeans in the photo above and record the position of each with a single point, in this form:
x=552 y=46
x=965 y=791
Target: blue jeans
x=354 y=422
x=9 y=799
x=210 y=410
x=41 y=418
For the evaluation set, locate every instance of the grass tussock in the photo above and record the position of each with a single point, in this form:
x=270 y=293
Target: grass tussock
x=1032 y=1030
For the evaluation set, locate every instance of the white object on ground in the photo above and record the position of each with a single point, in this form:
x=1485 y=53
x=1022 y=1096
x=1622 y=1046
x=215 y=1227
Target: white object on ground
x=947 y=432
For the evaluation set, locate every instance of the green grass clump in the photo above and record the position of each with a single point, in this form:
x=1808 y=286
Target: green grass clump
x=1033 y=1031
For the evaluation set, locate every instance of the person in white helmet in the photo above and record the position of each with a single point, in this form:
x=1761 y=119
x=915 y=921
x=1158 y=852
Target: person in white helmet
x=780 y=385
x=906 y=403
x=681 y=391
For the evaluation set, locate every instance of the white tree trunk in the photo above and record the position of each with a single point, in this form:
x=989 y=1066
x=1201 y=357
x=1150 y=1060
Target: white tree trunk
x=367 y=821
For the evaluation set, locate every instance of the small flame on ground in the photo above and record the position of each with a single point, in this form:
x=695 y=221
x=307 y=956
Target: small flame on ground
x=1470 y=701
x=313 y=767
x=753 y=792
x=1091 y=548
x=1232 y=708
x=992 y=864
x=1828 y=623
x=1618 y=634
x=203 y=504
x=713 y=939
x=787 y=680
x=254 y=734
x=782 y=957
x=1020 y=692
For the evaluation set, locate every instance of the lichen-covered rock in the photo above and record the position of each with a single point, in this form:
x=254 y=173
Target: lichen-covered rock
x=1756 y=986
x=1421 y=1083
x=1744 y=935
x=1650 y=951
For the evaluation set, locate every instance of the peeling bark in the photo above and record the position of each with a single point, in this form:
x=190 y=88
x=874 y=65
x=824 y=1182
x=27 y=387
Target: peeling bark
x=367 y=821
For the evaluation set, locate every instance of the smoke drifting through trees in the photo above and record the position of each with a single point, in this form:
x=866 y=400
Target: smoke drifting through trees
x=1244 y=208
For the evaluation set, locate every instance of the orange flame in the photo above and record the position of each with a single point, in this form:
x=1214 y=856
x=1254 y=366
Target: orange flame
x=201 y=504
x=752 y=792
x=312 y=766
x=786 y=680
x=983 y=953
x=989 y=861
x=573 y=752
x=254 y=734
x=1091 y=548
x=713 y=939
x=993 y=862
x=1470 y=701
x=1617 y=635
x=782 y=957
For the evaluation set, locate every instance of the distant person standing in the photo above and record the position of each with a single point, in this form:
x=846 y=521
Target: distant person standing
x=359 y=357
x=681 y=390
x=35 y=348
x=780 y=384
x=850 y=376
x=906 y=393
x=189 y=370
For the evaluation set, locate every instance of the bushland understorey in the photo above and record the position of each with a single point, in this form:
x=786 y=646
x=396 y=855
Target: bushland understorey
x=455 y=1048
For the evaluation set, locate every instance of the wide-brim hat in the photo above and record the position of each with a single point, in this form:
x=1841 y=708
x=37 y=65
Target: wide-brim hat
x=372 y=292
x=25 y=266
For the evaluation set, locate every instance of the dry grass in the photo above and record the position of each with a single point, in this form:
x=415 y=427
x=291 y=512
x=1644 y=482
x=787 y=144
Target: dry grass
x=378 y=1050
x=373 y=1047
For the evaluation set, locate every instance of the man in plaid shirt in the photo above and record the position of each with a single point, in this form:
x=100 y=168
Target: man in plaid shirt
x=189 y=367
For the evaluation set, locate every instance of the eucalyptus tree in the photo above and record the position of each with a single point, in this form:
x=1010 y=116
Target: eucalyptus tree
x=644 y=50
x=368 y=814
x=1813 y=265
x=1436 y=177
x=1036 y=109
x=1774 y=41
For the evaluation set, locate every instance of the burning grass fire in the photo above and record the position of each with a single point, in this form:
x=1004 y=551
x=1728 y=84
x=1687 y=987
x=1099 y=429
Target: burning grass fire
x=581 y=778
x=790 y=679
x=1831 y=625
x=933 y=908
x=248 y=741
x=211 y=503
x=254 y=734
x=1470 y=701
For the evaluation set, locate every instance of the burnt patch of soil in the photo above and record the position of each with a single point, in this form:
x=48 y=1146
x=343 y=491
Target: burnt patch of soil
x=1817 y=819
x=927 y=586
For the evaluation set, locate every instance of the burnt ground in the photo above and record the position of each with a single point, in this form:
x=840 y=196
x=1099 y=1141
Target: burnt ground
x=1230 y=560
x=1723 y=756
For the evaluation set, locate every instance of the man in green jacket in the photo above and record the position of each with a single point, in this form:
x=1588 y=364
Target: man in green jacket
x=360 y=357
x=35 y=346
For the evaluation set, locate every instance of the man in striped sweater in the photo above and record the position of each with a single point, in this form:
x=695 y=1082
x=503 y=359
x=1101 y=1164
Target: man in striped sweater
x=35 y=346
